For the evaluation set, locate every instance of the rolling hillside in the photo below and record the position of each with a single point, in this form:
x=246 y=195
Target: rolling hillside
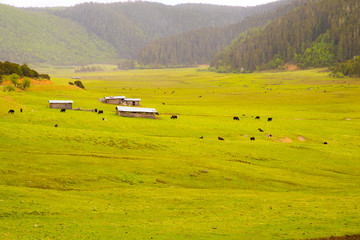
x=42 y=38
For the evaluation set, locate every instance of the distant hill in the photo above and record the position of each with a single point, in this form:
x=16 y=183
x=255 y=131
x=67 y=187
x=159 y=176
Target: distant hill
x=129 y=26
x=200 y=46
x=43 y=38
x=317 y=34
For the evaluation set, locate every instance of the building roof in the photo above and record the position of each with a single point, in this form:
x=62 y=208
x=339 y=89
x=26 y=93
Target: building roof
x=132 y=99
x=116 y=97
x=135 y=109
x=61 y=101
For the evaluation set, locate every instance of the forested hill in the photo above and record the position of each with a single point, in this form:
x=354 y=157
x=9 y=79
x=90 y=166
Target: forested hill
x=200 y=46
x=129 y=26
x=42 y=38
x=318 y=34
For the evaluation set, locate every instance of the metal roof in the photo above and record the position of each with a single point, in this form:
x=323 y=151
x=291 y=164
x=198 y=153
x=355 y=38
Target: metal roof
x=132 y=99
x=61 y=101
x=135 y=109
x=116 y=97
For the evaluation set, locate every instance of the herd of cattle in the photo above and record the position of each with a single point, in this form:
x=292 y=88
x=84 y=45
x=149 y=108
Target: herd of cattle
x=236 y=118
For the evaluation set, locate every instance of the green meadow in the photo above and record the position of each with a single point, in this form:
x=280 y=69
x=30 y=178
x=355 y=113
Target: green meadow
x=133 y=178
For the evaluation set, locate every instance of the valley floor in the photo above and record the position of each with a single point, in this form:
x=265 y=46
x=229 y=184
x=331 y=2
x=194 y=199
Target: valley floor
x=133 y=178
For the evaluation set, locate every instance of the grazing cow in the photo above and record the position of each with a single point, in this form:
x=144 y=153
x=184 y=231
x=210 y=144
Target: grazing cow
x=260 y=130
x=220 y=138
x=173 y=117
x=62 y=110
x=200 y=96
x=325 y=143
x=236 y=118
x=257 y=117
x=56 y=125
x=201 y=137
x=11 y=111
x=104 y=119
x=100 y=111
x=269 y=135
x=269 y=119
x=95 y=109
x=163 y=103
x=252 y=138
x=20 y=109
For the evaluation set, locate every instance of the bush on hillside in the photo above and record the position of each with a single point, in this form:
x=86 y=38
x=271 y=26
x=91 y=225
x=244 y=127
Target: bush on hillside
x=25 y=83
x=14 y=79
x=79 y=84
x=9 y=88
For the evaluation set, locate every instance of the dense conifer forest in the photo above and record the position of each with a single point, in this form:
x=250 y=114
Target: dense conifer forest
x=318 y=34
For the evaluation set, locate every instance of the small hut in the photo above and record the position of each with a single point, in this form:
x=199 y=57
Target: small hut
x=131 y=102
x=113 y=100
x=136 y=112
x=60 y=104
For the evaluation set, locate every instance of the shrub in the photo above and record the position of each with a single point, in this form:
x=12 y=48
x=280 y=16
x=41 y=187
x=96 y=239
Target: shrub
x=9 y=88
x=14 y=79
x=25 y=83
x=45 y=76
x=79 y=84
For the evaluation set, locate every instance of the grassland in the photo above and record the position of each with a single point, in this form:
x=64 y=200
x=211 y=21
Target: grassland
x=128 y=178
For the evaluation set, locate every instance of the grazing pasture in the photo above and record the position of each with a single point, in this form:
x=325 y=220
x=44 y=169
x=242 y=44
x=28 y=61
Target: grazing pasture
x=136 y=178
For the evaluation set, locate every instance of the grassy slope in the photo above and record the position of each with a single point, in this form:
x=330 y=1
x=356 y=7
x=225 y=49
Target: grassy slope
x=140 y=178
x=37 y=37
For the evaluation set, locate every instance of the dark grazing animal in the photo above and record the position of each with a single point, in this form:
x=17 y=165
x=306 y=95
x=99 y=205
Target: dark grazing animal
x=269 y=119
x=100 y=111
x=220 y=138
x=257 y=117
x=260 y=130
x=56 y=125
x=95 y=110
x=252 y=138
x=173 y=117
x=62 y=110
x=325 y=143
x=201 y=137
x=20 y=109
x=163 y=103
x=11 y=111
x=236 y=118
